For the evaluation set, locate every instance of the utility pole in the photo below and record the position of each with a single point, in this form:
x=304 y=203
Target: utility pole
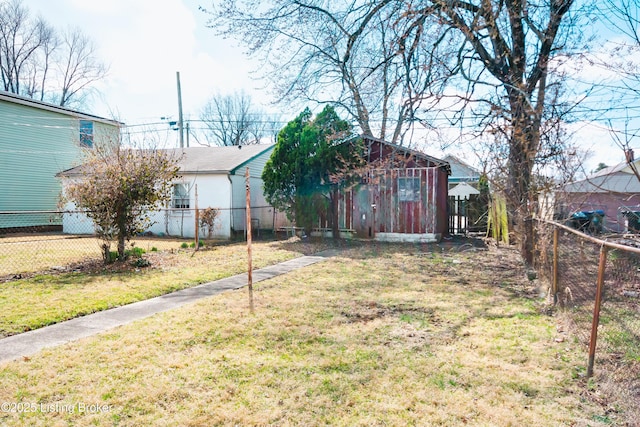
x=180 y=123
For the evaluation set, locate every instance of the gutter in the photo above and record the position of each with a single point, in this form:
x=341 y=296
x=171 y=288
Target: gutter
x=231 y=216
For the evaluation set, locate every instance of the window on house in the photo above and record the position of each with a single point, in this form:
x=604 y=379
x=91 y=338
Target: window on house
x=86 y=133
x=180 y=196
x=409 y=189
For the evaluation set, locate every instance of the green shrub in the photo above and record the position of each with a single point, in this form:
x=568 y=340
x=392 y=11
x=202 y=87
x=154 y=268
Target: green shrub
x=154 y=249
x=141 y=262
x=134 y=252
x=184 y=245
x=113 y=256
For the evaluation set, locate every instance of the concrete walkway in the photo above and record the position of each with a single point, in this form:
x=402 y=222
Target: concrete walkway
x=31 y=342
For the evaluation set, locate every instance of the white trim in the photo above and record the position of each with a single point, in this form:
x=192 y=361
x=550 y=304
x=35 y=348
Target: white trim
x=411 y=238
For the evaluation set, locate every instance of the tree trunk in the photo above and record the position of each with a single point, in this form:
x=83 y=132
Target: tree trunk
x=122 y=235
x=121 y=245
x=523 y=145
x=105 y=253
x=335 y=229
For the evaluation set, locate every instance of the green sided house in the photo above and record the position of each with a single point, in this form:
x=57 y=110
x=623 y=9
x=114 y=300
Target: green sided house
x=37 y=141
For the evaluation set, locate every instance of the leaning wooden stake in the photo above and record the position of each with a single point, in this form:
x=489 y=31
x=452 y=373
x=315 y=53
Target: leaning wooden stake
x=197 y=219
x=596 y=310
x=250 y=267
x=554 y=286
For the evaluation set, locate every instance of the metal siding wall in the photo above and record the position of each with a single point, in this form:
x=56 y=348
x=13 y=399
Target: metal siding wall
x=35 y=145
x=256 y=166
x=105 y=134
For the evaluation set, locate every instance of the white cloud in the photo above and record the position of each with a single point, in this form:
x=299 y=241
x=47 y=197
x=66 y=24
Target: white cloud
x=596 y=140
x=146 y=42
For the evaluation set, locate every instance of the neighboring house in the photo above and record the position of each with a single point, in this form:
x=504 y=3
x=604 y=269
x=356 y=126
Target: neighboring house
x=38 y=140
x=466 y=208
x=402 y=198
x=461 y=172
x=218 y=176
x=614 y=190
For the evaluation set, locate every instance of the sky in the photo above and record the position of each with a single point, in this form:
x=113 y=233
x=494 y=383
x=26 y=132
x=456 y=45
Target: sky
x=145 y=42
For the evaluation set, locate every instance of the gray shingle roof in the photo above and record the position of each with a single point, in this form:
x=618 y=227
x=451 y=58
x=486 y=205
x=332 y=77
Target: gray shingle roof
x=205 y=159
x=23 y=100
x=613 y=179
x=217 y=159
x=617 y=182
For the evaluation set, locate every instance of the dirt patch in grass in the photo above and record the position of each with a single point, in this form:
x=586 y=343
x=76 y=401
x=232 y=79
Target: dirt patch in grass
x=380 y=335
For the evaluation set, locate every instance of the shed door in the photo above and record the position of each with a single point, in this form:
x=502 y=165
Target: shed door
x=363 y=219
x=410 y=203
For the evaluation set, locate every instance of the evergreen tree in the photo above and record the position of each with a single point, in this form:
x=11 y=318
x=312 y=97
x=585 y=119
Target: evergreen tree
x=306 y=169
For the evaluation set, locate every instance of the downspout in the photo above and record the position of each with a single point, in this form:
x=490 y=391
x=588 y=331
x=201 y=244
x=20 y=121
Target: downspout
x=230 y=204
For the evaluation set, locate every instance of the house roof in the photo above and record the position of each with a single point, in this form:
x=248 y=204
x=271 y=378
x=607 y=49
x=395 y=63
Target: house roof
x=616 y=182
x=29 y=102
x=613 y=179
x=460 y=169
x=211 y=160
x=463 y=189
x=218 y=159
x=417 y=154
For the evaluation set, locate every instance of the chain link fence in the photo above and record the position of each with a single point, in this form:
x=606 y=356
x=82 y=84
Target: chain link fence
x=595 y=283
x=34 y=241
x=37 y=241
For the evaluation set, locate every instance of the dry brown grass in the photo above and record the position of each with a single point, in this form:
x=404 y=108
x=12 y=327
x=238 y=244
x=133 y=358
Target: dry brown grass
x=24 y=254
x=382 y=335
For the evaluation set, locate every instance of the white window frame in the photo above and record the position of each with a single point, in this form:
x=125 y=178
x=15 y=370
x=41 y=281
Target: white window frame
x=86 y=133
x=409 y=189
x=184 y=199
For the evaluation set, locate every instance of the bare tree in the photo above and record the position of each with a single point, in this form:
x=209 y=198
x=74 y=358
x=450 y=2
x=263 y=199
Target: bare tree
x=623 y=16
x=504 y=51
x=234 y=120
x=359 y=56
x=78 y=65
x=389 y=59
x=39 y=66
x=36 y=61
x=20 y=39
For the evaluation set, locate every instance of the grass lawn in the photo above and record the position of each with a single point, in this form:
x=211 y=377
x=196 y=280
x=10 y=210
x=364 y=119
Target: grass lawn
x=22 y=254
x=44 y=299
x=381 y=335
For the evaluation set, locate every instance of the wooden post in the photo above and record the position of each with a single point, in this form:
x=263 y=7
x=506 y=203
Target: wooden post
x=596 y=310
x=197 y=217
x=249 y=255
x=554 y=285
x=458 y=216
